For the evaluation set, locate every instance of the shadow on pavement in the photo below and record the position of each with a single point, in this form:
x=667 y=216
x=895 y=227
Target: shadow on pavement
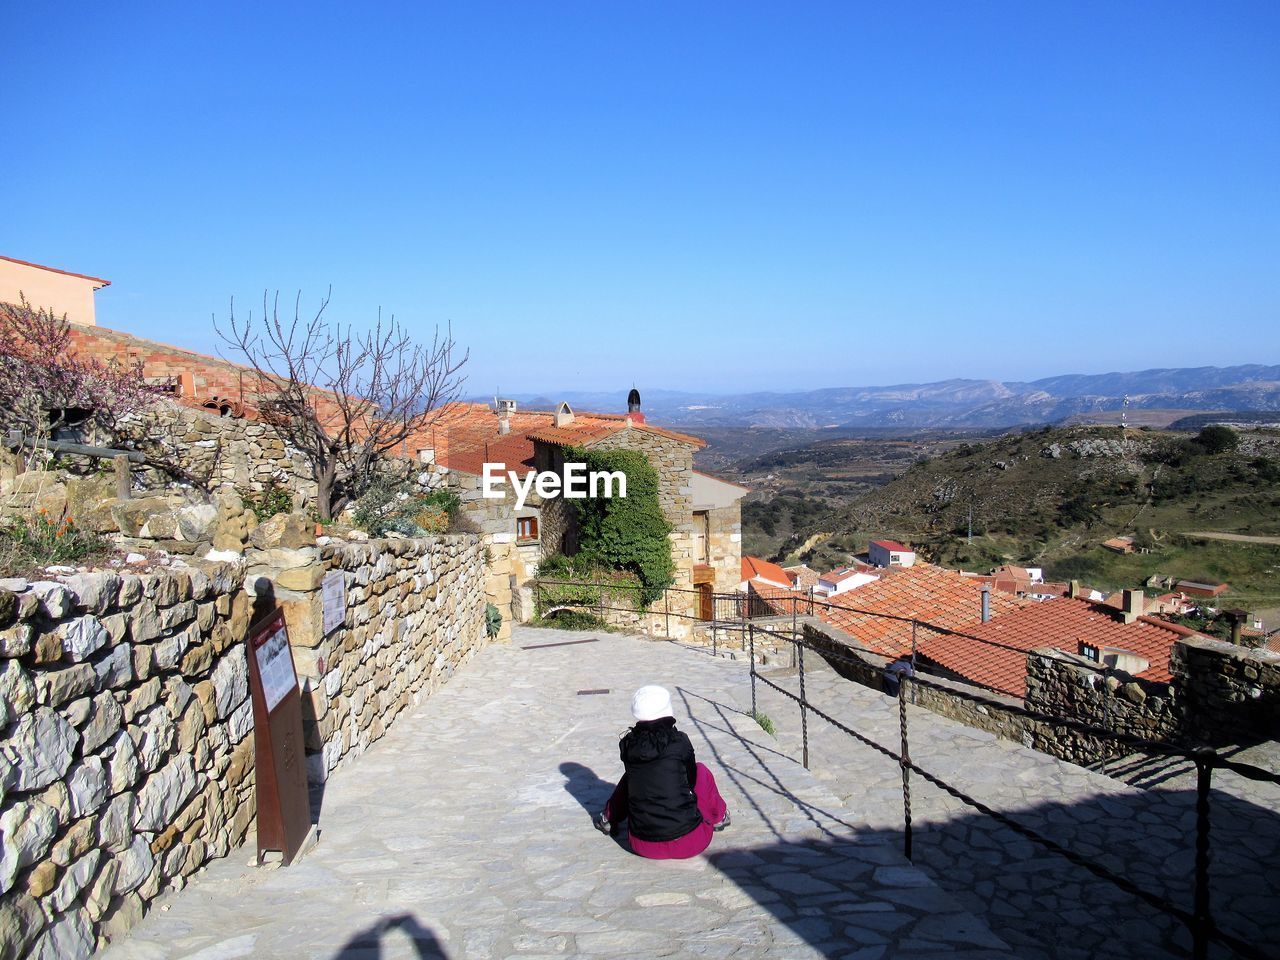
x=585 y=787
x=369 y=943
x=844 y=894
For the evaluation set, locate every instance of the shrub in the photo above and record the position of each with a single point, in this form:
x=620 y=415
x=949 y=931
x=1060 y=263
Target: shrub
x=39 y=540
x=271 y=501
x=626 y=533
x=391 y=504
x=1216 y=439
x=572 y=620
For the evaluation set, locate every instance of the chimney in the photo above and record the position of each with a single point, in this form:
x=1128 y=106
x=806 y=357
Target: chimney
x=634 y=413
x=504 y=408
x=986 y=602
x=1238 y=618
x=563 y=415
x=1073 y=588
x=1132 y=605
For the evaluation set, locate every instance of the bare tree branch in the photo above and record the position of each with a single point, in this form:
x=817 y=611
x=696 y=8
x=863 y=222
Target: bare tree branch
x=343 y=397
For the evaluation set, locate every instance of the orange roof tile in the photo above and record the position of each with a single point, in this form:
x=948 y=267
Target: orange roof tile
x=879 y=614
x=892 y=545
x=993 y=654
x=753 y=568
x=465 y=435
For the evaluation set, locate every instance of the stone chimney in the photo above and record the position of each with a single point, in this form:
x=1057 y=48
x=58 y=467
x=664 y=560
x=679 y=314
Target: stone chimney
x=563 y=415
x=504 y=408
x=1132 y=605
x=1073 y=588
x=986 y=602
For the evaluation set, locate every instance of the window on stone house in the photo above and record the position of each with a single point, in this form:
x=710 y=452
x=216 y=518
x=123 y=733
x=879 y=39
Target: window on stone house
x=526 y=529
x=701 y=537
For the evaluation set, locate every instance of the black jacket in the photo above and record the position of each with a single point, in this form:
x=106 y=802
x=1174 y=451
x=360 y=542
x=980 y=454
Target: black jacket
x=660 y=778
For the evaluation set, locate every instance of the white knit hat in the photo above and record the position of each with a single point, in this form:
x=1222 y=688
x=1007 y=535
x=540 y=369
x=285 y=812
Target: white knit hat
x=651 y=703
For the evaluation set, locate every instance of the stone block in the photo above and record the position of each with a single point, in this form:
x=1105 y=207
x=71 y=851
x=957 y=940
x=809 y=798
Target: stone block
x=164 y=793
x=116 y=668
x=40 y=749
x=56 y=687
x=27 y=828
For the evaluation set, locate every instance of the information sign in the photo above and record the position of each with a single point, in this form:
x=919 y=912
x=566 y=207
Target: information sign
x=333 y=596
x=284 y=807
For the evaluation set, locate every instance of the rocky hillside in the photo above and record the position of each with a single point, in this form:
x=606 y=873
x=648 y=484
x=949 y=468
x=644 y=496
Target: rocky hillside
x=1052 y=496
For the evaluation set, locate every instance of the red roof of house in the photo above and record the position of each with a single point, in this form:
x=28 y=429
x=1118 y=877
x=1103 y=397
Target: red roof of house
x=753 y=568
x=465 y=435
x=802 y=576
x=65 y=273
x=892 y=545
x=879 y=614
x=841 y=575
x=994 y=653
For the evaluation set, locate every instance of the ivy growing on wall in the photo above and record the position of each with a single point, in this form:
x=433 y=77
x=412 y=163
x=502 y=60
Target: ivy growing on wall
x=625 y=533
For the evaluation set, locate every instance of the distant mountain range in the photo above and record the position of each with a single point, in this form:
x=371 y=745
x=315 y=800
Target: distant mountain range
x=951 y=403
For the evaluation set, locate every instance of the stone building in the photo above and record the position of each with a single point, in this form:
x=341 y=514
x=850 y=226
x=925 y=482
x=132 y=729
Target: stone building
x=704 y=512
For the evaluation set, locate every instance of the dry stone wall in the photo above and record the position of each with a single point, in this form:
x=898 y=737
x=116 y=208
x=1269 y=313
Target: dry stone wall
x=127 y=760
x=413 y=614
x=218 y=452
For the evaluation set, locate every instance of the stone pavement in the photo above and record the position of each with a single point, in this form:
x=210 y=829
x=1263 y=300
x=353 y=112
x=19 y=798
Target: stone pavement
x=1035 y=900
x=465 y=833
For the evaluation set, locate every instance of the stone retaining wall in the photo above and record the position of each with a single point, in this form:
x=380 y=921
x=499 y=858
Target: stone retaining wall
x=1066 y=685
x=414 y=614
x=127 y=760
x=1232 y=693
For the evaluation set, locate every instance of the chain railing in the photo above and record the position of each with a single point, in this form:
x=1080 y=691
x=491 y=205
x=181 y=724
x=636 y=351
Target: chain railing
x=744 y=613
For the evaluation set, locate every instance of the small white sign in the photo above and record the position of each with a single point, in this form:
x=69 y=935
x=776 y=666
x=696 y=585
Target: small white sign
x=333 y=597
x=275 y=667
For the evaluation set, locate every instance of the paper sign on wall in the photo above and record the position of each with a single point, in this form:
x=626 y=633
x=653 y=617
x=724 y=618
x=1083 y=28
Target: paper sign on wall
x=333 y=597
x=275 y=666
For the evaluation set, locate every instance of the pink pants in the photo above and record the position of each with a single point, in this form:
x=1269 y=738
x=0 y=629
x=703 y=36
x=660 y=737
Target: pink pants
x=710 y=804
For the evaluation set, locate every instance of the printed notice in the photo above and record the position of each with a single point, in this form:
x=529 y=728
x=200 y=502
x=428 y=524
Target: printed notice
x=275 y=667
x=333 y=597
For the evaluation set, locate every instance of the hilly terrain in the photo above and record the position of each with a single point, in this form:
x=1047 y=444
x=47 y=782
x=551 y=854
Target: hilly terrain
x=1049 y=497
x=953 y=404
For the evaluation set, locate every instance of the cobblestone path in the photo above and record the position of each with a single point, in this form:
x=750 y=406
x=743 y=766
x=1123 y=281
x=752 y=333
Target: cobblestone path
x=465 y=833
x=1036 y=901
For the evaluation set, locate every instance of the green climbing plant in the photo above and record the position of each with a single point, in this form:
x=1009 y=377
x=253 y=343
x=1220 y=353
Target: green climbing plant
x=625 y=533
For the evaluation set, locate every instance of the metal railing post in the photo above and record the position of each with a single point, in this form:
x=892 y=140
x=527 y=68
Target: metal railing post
x=751 y=634
x=1203 y=921
x=1106 y=718
x=666 y=609
x=905 y=761
x=804 y=713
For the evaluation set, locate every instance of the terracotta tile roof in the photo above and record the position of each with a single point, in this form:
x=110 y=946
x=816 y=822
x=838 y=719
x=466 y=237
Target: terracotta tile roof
x=465 y=435
x=879 y=614
x=802 y=576
x=841 y=575
x=892 y=545
x=993 y=654
x=753 y=568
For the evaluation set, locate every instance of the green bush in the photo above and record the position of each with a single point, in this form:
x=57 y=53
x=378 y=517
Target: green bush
x=572 y=620
x=1216 y=439
x=625 y=533
x=492 y=620
x=270 y=501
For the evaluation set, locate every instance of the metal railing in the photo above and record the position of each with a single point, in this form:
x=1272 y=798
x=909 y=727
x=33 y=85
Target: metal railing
x=743 y=613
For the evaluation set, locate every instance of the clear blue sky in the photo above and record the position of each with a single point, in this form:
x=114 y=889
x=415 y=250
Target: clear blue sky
x=724 y=196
